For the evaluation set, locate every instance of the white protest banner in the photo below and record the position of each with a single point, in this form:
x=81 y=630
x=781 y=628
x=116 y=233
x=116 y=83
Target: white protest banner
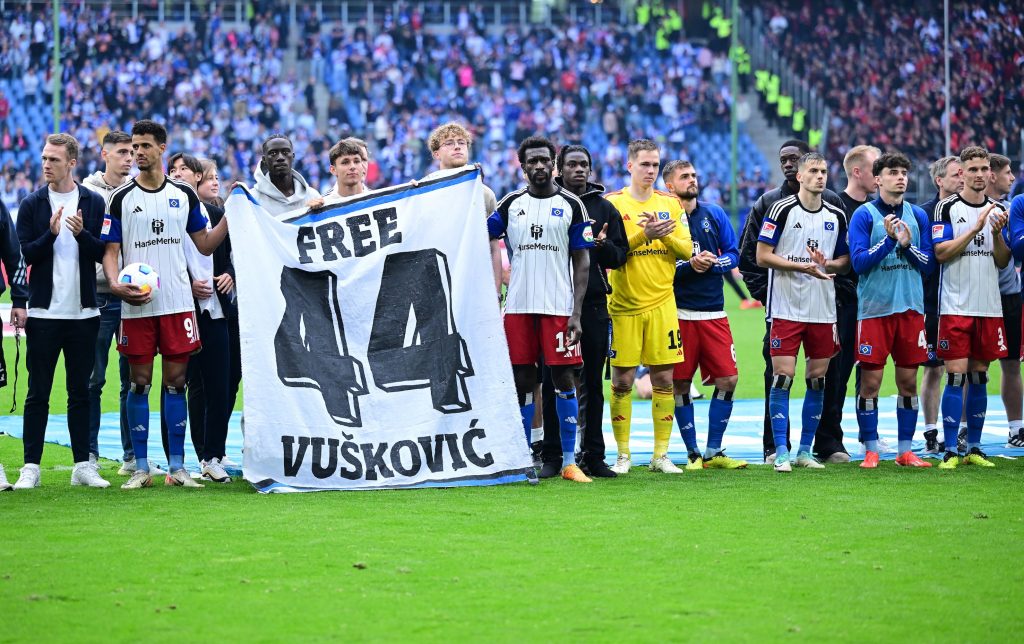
x=373 y=353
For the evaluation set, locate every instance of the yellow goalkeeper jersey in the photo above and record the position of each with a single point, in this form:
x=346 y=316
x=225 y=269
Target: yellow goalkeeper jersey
x=644 y=282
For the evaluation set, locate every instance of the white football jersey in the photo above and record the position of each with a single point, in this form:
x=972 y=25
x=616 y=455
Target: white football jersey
x=791 y=229
x=968 y=284
x=150 y=226
x=541 y=234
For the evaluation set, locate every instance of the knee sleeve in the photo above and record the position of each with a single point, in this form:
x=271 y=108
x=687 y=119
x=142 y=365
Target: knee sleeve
x=782 y=382
x=978 y=377
x=907 y=402
x=722 y=395
x=867 y=404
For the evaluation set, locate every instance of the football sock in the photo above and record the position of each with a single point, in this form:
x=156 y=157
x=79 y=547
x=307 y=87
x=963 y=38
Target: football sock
x=719 y=411
x=568 y=409
x=977 y=406
x=526 y=409
x=778 y=407
x=685 y=421
x=663 y=412
x=906 y=420
x=867 y=421
x=176 y=411
x=621 y=406
x=814 y=400
x=951 y=406
x=137 y=408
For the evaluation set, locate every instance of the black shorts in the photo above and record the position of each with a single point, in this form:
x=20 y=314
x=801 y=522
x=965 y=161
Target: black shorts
x=1011 y=322
x=931 y=335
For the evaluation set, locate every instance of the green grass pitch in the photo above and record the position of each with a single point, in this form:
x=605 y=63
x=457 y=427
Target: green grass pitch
x=839 y=554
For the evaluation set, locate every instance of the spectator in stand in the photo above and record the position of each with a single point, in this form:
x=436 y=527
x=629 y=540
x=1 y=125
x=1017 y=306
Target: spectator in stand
x=222 y=92
x=882 y=85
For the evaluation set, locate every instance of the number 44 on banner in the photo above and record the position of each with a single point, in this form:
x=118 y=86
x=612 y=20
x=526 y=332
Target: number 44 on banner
x=312 y=350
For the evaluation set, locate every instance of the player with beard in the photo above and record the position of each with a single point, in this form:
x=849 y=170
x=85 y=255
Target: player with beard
x=703 y=325
x=967 y=231
x=548 y=230
x=146 y=221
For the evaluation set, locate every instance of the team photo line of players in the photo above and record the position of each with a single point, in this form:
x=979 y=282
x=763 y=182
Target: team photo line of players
x=633 y=277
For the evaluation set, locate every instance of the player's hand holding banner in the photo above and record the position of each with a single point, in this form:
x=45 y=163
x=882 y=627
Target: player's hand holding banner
x=373 y=353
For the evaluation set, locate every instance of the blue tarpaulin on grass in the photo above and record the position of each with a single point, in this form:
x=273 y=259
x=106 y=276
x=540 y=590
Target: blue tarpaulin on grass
x=742 y=439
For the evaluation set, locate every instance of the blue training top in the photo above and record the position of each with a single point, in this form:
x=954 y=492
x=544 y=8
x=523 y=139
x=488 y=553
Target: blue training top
x=890 y=276
x=711 y=230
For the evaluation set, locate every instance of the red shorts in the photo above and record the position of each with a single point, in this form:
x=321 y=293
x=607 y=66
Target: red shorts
x=966 y=336
x=175 y=336
x=820 y=339
x=707 y=344
x=529 y=335
x=900 y=335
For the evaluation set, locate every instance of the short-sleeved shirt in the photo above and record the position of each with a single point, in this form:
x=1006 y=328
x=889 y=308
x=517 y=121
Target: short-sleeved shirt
x=791 y=229
x=645 y=281
x=541 y=233
x=968 y=284
x=150 y=226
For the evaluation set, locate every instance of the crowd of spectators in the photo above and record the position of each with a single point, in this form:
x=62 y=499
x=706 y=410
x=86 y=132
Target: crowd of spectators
x=596 y=85
x=221 y=91
x=879 y=65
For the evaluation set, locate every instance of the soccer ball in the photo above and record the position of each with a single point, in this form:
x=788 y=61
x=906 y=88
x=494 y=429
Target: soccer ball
x=142 y=275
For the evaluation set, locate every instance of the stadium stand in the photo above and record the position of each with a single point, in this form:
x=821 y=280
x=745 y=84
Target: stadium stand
x=221 y=90
x=886 y=86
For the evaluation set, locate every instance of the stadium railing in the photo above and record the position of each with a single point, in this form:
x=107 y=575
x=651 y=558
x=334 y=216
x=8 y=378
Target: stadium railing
x=494 y=14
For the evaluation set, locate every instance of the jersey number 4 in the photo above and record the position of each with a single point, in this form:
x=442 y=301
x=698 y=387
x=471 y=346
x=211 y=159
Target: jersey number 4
x=413 y=340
